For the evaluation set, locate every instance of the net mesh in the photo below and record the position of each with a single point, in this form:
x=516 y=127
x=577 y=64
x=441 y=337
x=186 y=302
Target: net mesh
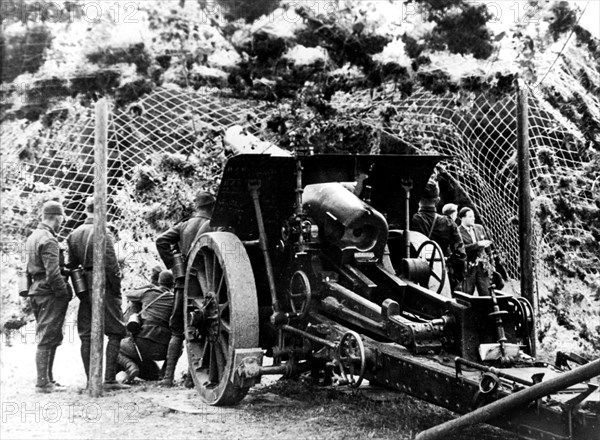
x=478 y=130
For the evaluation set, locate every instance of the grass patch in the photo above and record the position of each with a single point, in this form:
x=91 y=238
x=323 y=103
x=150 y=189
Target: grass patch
x=352 y=414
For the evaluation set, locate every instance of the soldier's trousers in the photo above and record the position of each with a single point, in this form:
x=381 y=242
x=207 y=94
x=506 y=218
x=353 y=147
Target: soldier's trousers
x=49 y=312
x=151 y=351
x=113 y=317
x=176 y=319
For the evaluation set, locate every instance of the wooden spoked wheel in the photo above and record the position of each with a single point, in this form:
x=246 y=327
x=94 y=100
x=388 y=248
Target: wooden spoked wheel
x=431 y=252
x=220 y=314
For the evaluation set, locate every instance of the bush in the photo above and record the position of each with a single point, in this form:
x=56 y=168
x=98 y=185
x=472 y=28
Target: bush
x=461 y=27
x=563 y=19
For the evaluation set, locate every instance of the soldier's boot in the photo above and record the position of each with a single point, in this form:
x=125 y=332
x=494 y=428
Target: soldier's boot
x=173 y=353
x=43 y=385
x=112 y=358
x=189 y=380
x=129 y=367
x=57 y=386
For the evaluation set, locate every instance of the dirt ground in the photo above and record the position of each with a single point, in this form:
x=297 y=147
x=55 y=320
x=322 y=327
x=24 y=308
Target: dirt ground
x=281 y=409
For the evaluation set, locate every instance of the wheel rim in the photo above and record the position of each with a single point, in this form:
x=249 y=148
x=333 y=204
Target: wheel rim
x=431 y=252
x=220 y=314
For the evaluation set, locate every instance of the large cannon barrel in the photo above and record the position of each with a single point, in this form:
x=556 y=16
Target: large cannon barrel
x=344 y=220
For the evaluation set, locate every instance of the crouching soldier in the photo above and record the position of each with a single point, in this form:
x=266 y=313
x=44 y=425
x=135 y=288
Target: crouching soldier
x=149 y=327
x=178 y=241
x=49 y=294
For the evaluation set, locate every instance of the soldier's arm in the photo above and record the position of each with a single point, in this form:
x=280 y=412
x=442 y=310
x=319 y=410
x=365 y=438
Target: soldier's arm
x=135 y=294
x=135 y=298
x=164 y=242
x=73 y=261
x=113 y=272
x=50 y=260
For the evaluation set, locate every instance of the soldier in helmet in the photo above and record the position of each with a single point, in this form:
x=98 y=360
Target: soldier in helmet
x=49 y=294
x=81 y=250
x=150 y=333
x=179 y=239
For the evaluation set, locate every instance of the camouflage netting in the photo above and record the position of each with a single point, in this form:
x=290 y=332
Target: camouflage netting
x=478 y=130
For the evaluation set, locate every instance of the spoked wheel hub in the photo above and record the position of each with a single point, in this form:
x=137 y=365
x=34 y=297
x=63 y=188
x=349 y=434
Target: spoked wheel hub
x=204 y=319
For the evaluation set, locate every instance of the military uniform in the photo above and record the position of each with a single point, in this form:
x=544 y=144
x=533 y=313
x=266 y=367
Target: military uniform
x=156 y=304
x=180 y=238
x=445 y=233
x=81 y=245
x=49 y=295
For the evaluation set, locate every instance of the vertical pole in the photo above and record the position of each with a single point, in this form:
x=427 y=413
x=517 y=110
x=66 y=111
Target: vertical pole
x=253 y=187
x=525 y=230
x=99 y=277
x=407 y=185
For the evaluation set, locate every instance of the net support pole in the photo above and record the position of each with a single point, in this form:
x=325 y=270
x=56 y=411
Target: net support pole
x=525 y=228
x=98 y=276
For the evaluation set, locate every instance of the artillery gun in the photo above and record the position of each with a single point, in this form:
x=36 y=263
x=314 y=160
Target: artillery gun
x=312 y=263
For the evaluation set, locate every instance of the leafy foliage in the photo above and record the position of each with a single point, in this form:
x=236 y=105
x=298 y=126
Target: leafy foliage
x=461 y=27
x=248 y=10
x=161 y=193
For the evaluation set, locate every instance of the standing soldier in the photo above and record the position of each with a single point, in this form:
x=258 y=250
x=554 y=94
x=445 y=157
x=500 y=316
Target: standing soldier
x=49 y=294
x=81 y=253
x=179 y=240
x=442 y=230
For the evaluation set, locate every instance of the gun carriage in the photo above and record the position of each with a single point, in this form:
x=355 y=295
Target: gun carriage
x=313 y=265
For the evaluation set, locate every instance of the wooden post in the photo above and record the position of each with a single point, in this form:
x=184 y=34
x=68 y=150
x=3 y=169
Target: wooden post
x=99 y=277
x=525 y=230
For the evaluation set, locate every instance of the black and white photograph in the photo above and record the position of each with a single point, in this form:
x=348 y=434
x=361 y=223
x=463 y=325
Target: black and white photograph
x=278 y=219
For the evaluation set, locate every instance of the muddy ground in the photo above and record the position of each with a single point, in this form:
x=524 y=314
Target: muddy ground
x=278 y=409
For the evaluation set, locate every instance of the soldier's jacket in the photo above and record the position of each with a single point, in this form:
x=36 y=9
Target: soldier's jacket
x=180 y=237
x=444 y=232
x=157 y=311
x=78 y=256
x=43 y=263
